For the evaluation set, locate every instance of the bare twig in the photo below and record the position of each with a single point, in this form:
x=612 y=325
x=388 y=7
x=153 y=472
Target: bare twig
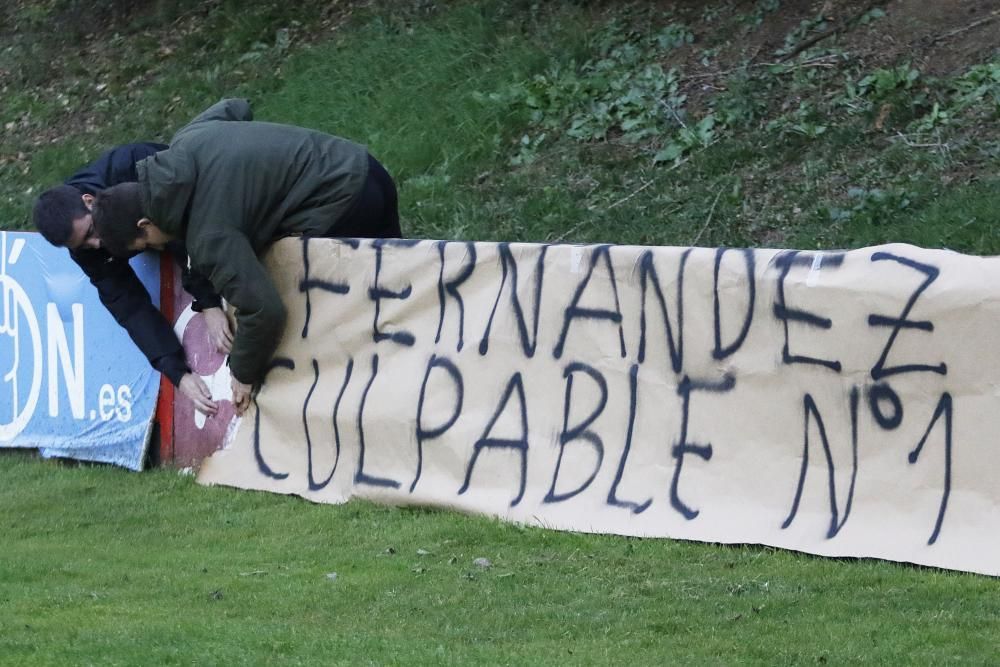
x=820 y=61
x=674 y=113
x=975 y=24
x=708 y=221
x=562 y=237
x=634 y=193
x=916 y=145
x=945 y=149
x=840 y=27
x=572 y=230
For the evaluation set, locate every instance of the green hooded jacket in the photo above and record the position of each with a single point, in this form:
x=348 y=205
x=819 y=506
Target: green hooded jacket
x=230 y=187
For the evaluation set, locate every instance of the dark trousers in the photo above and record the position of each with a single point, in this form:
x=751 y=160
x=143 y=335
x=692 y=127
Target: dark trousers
x=375 y=212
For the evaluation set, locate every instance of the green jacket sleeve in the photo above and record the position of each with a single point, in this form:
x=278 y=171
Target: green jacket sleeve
x=231 y=264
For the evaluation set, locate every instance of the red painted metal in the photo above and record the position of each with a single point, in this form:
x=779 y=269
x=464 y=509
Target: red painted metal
x=187 y=437
x=165 y=402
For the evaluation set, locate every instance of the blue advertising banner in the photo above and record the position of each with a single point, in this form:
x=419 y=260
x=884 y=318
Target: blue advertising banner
x=72 y=383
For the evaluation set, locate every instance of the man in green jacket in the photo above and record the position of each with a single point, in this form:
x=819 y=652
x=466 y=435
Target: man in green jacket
x=229 y=187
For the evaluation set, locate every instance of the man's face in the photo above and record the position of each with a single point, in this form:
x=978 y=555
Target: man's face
x=150 y=238
x=84 y=235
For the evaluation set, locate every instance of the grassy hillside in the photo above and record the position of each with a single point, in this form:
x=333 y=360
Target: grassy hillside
x=765 y=123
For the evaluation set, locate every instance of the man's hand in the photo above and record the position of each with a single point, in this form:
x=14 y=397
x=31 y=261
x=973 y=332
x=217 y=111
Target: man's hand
x=241 y=396
x=220 y=334
x=195 y=389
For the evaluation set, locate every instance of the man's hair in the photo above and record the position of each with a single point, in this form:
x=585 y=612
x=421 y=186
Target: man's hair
x=116 y=212
x=54 y=213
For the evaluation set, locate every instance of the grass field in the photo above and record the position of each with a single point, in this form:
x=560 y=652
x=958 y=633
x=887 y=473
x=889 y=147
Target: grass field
x=570 y=121
x=105 y=567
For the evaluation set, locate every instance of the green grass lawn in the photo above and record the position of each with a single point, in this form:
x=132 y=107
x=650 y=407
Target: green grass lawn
x=106 y=567
x=562 y=121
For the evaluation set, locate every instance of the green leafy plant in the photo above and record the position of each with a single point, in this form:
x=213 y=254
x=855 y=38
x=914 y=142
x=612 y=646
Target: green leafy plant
x=759 y=12
x=981 y=84
x=744 y=98
x=976 y=89
x=871 y=206
x=896 y=95
x=687 y=138
x=675 y=35
x=624 y=94
x=884 y=85
x=871 y=15
x=935 y=118
x=806 y=121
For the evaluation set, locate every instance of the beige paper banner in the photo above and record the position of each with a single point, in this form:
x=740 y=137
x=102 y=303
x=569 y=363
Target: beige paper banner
x=844 y=404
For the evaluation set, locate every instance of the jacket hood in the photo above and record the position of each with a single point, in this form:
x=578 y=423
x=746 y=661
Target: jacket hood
x=167 y=183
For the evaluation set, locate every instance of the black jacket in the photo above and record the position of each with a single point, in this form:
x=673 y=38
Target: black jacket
x=119 y=288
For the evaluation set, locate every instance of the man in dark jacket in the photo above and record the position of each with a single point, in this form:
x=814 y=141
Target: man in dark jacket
x=62 y=215
x=230 y=186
